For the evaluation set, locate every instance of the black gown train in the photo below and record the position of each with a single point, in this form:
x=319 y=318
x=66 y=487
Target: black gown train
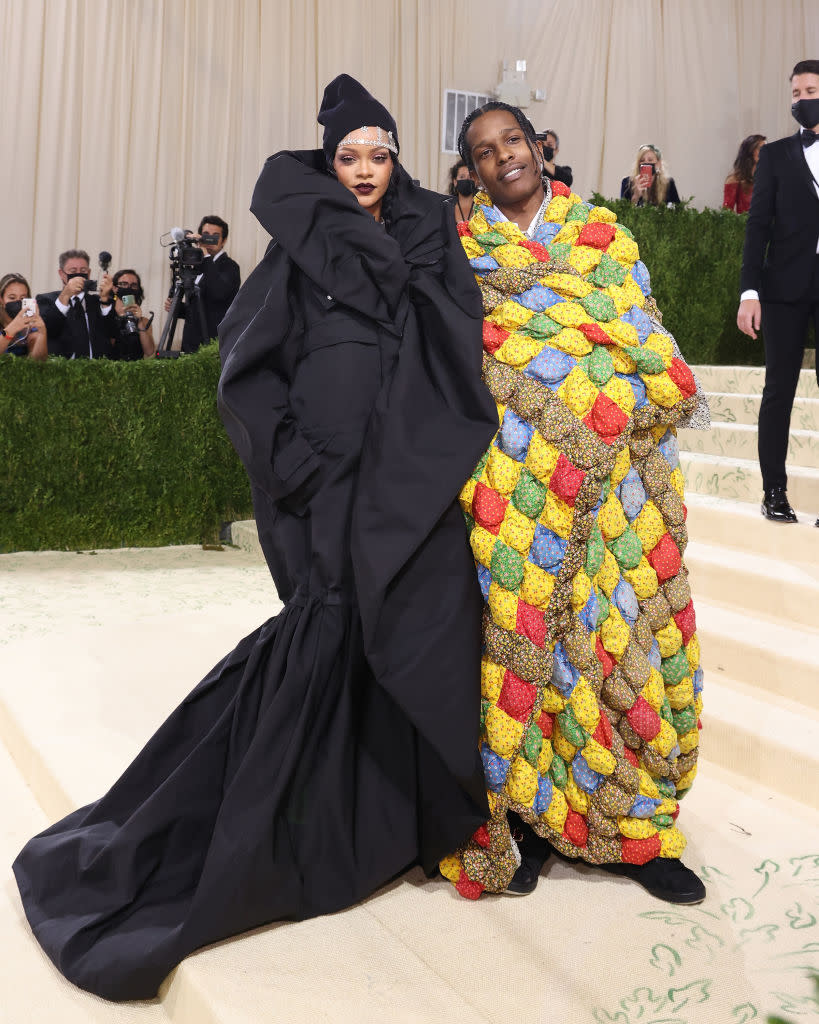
x=337 y=744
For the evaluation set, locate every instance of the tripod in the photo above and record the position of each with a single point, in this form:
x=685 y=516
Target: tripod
x=185 y=286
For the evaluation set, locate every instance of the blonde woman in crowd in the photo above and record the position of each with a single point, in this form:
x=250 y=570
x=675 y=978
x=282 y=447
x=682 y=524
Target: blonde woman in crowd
x=648 y=184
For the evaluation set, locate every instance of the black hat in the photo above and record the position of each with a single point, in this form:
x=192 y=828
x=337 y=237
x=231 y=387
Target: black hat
x=346 y=105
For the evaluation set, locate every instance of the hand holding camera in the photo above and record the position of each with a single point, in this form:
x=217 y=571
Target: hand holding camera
x=75 y=285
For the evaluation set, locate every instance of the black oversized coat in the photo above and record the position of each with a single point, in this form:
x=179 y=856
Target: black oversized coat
x=337 y=744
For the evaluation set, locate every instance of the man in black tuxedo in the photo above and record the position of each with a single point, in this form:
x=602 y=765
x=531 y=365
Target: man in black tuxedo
x=780 y=277
x=80 y=325
x=218 y=281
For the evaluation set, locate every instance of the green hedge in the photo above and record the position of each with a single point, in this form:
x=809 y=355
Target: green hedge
x=108 y=454
x=694 y=258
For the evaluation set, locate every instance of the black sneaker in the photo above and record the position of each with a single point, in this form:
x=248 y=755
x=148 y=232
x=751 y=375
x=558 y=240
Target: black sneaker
x=664 y=877
x=534 y=852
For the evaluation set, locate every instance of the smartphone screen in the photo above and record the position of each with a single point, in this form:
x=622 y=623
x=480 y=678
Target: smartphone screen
x=128 y=300
x=29 y=307
x=646 y=175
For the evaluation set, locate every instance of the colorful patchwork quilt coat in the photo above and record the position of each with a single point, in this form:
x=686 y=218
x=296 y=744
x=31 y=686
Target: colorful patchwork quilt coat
x=591 y=677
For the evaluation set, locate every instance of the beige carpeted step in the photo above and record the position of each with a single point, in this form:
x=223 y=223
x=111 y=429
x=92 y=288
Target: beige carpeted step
x=739 y=525
x=779 y=659
x=741 y=480
x=739 y=441
x=757 y=583
x=748 y=380
x=772 y=742
x=745 y=409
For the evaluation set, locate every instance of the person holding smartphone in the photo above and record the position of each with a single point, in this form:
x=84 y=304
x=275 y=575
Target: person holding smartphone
x=135 y=338
x=22 y=331
x=648 y=184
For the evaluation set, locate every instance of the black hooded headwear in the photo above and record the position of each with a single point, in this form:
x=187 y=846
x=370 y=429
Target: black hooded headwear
x=346 y=104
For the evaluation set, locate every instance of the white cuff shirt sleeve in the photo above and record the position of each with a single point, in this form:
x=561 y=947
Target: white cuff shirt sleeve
x=750 y=294
x=61 y=306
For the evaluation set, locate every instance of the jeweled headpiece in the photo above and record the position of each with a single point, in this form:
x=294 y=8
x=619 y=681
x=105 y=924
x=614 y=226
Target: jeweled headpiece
x=368 y=136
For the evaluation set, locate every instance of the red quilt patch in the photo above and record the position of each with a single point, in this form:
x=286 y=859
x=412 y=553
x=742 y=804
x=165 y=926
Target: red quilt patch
x=640 y=851
x=517 y=697
x=604 y=658
x=488 y=508
x=493 y=337
x=682 y=377
x=537 y=250
x=597 y=235
x=531 y=623
x=665 y=558
x=606 y=419
x=575 y=829
x=566 y=480
x=643 y=719
x=595 y=333
x=687 y=622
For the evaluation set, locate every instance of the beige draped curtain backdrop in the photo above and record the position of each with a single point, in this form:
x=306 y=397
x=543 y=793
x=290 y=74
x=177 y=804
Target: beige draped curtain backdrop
x=123 y=118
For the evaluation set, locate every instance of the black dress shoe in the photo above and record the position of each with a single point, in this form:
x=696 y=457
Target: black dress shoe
x=666 y=878
x=534 y=852
x=776 y=507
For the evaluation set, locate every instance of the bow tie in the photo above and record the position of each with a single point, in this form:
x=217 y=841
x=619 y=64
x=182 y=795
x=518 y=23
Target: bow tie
x=808 y=137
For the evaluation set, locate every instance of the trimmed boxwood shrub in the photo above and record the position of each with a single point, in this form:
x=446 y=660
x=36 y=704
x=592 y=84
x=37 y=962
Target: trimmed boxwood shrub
x=109 y=454
x=694 y=258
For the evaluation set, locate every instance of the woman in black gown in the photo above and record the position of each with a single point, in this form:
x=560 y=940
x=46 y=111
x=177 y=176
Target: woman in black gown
x=336 y=746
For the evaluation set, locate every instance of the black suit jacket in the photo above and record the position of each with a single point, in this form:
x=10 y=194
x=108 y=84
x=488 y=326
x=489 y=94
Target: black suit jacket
x=65 y=338
x=217 y=288
x=783 y=225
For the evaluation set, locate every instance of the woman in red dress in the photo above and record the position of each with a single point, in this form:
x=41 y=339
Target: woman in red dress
x=739 y=185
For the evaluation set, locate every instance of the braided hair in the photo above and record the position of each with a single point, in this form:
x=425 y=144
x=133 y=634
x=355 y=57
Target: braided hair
x=525 y=126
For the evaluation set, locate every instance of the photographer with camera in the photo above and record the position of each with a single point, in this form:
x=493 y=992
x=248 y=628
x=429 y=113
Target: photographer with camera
x=135 y=338
x=217 y=281
x=78 y=318
x=22 y=331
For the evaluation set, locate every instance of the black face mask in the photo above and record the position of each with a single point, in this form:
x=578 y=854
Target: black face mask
x=78 y=273
x=806 y=112
x=127 y=289
x=465 y=187
x=13 y=308
x=548 y=153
